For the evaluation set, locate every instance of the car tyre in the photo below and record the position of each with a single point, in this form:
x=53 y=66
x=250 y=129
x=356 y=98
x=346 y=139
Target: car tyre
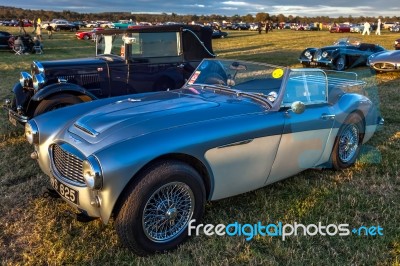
x=348 y=142
x=340 y=63
x=147 y=198
x=86 y=37
x=55 y=102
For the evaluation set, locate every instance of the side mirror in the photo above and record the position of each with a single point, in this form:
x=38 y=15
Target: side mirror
x=298 y=107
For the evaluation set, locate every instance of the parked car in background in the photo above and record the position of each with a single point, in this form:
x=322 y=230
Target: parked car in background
x=388 y=25
x=130 y=61
x=80 y=24
x=59 y=25
x=106 y=24
x=344 y=53
x=5 y=38
x=387 y=61
x=357 y=28
x=122 y=24
x=92 y=24
x=340 y=28
x=395 y=28
x=86 y=35
x=219 y=34
x=239 y=26
x=153 y=160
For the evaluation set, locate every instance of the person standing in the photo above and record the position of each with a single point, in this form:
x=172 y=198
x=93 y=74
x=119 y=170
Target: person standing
x=34 y=25
x=259 y=26
x=21 y=26
x=367 y=26
x=378 y=27
x=49 y=29
x=39 y=33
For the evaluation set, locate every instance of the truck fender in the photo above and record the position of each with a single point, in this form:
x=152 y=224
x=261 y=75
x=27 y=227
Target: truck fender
x=61 y=87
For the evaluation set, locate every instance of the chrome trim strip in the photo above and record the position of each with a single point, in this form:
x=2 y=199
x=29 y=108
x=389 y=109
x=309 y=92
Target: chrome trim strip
x=243 y=142
x=87 y=130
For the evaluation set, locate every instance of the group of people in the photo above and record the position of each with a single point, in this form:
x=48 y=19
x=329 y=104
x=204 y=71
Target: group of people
x=26 y=41
x=26 y=44
x=367 y=28
x=37 y=28
x=267 y=25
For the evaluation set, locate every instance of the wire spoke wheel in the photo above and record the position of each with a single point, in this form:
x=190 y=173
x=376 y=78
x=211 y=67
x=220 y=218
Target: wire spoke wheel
x=340 y=63
x=348 y=143
x=168 y=211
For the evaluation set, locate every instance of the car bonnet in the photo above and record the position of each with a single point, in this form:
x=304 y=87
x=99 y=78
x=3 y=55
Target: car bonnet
x=137 y=116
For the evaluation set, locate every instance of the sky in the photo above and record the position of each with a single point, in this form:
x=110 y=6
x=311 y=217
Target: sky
x=310 y=8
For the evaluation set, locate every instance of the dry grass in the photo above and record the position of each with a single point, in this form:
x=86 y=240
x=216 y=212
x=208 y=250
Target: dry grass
x=36 y=231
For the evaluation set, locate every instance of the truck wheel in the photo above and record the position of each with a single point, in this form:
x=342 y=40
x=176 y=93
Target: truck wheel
x=348 y=142
x=154 y=212
x=55 y=102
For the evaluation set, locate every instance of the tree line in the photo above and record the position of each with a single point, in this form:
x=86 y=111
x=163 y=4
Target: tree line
x=7 y=13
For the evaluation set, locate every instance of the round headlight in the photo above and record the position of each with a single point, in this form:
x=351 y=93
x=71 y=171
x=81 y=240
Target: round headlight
x=25 y=80
x=38 y=81
x=31 y=132
x=308 y=55
x=396 y=42
x=92 y=173
x=324 y=54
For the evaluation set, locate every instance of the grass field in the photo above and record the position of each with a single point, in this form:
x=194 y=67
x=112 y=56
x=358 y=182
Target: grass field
x=35 y=230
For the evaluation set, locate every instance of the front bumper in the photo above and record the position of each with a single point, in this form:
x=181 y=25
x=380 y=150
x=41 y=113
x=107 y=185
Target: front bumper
x=15 y=117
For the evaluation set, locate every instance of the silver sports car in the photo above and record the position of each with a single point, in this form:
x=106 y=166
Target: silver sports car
x=387 y=61
x=152 y=160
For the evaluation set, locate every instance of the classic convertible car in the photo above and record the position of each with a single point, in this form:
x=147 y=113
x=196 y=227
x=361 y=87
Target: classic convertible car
x=152 y=160
x=345 y=53
x=387 y=61
x=127 y=61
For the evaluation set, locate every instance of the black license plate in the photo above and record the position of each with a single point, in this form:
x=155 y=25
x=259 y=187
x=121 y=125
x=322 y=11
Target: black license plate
x=65 y=191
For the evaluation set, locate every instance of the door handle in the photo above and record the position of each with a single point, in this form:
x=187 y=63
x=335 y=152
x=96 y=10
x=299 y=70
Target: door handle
x=327 y=117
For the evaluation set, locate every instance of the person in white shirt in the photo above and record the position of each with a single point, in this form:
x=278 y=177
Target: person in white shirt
x=378 y=29
x=367 y=26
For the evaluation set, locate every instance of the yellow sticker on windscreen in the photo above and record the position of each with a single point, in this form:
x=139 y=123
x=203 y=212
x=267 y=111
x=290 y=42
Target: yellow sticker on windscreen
x=277 y=73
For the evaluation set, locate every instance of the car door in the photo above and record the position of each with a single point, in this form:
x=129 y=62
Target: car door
x=244 y=165
x=305 y=135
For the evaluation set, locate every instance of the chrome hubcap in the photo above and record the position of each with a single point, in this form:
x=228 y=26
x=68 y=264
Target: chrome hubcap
x=168 y=211
x=348 y=143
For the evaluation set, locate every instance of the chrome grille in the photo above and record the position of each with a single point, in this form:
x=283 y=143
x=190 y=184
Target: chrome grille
x=68 y=165
x=384 y=66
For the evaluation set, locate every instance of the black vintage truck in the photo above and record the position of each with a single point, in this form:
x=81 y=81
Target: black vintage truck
x=142 y=59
